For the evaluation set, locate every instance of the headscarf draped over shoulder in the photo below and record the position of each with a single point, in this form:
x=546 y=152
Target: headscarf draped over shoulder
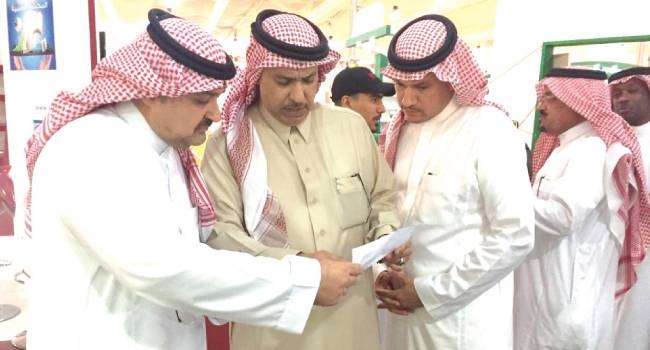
x=283 y=40
x=173 y=58
x=430 y=44
x=586 y=92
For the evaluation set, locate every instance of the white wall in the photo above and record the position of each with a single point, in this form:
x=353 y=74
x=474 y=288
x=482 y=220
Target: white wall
x=523 y=25
x=28 y=93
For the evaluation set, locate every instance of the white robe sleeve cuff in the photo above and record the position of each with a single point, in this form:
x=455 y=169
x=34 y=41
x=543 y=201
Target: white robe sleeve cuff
x=422 y=286
x=305 y=275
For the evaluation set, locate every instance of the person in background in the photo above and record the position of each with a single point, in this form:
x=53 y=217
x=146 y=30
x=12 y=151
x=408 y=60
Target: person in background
x=586 y=166
x=630 y=93
x=303 y=178
x=118 y=211
x=460 y=172
x=360 y=90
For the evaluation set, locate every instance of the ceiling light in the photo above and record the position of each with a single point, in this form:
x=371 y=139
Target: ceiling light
x=395 y=14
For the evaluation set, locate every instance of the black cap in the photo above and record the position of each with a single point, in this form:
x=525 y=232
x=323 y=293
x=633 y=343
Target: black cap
x=354 y=80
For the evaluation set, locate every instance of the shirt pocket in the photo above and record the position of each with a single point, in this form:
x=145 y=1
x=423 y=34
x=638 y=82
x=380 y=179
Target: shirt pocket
x=440 y=198
x=544 y=187
x=353 y=201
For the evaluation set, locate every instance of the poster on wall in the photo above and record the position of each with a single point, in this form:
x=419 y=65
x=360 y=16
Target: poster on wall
x=31 y=34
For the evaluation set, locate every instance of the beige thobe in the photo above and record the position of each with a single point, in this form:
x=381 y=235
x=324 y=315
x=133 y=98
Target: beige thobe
x=335 y=190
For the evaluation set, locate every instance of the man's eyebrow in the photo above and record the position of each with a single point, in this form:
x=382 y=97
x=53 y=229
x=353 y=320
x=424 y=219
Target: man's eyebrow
x=292 y=78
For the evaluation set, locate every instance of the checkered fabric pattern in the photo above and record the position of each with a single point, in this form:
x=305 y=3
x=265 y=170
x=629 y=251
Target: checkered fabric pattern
x=591 y=99
x=460 y=69
x=262 y=213
x=138 y=70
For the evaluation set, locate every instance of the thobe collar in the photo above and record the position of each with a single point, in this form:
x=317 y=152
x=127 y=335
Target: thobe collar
x=134 y=118
x=642 y=130
x=448 y=111
x=575 y=132
x=282 y=130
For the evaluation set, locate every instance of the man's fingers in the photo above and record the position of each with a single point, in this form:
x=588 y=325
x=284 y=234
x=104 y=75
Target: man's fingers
x=323 y=255
x=356 y=269
x=389 y=303
x=383 y=280
x=336 y=278
x=386 y=294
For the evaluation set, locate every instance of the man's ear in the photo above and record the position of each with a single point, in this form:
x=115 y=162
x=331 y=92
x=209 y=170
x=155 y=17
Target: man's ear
x=345 y=101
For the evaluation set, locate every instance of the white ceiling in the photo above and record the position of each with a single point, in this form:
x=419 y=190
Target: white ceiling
x=334 y=17
x=230 y=20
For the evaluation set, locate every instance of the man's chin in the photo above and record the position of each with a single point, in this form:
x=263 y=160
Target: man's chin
x=196 y=140
x=293 y=120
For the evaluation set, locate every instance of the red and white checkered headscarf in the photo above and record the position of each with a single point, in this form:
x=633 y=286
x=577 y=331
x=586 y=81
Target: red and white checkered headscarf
x=262 y=213
x=423 y=37
x=138 y=70
x=591 y=99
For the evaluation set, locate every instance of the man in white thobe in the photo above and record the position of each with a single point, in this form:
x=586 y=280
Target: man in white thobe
x=565 y=290
x=460 y=170
x=630 y=90
x=118 y=211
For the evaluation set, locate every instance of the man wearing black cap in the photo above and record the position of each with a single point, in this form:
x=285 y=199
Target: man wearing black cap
x=358 y=89
x=630 y=92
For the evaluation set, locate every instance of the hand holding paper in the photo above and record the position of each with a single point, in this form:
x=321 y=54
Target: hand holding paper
x=369 y=254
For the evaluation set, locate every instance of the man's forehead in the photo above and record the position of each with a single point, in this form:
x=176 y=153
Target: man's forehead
x=214 y=92
x=631 y=82
x=296 y=73
x=430 y=77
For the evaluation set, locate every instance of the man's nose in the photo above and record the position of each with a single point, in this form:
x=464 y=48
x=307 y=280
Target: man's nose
x=214 y=113
x=297 y=93
x=381 y=108
x=408 y=98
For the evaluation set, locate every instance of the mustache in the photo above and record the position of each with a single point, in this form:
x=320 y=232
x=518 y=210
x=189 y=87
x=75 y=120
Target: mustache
x=411 y=110
x=204 y=123
x=295 y=105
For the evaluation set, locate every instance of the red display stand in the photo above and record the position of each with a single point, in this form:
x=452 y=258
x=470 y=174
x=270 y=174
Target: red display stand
x=7 y=201
x=218 y=336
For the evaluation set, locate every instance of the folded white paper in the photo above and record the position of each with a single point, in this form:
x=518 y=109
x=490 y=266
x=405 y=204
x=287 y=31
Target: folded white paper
x=369 y=254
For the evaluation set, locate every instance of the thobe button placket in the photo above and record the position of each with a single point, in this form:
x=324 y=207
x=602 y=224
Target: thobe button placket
x=300 y=150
